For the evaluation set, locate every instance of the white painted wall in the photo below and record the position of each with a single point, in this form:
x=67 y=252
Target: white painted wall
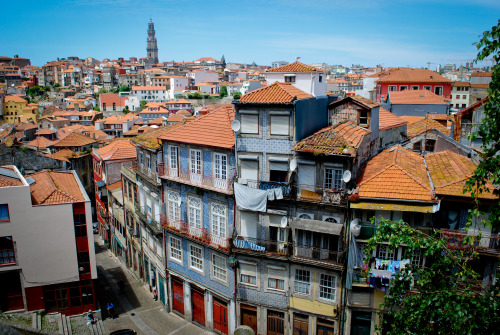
x=305 y=81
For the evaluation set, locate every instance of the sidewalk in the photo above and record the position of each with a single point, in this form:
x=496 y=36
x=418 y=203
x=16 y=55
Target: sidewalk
x=136 y=308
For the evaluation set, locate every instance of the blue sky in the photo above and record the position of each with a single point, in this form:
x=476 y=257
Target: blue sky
x=367 y=32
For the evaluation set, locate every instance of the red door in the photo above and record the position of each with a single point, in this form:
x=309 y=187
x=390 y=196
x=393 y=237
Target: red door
x=178 y=291
x=198 y=306
x=220 y=317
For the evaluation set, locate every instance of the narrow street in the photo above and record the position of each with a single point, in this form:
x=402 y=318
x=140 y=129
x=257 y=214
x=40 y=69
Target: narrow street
x=135 y=308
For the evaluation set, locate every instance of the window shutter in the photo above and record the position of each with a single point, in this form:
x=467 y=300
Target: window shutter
x=249 y=169
x=307 y=175
x=249 y=123
x=280 y=125
x=360 y=298
x=249 y=269
x=249 y=224
x=278 y=166
x=276 y=272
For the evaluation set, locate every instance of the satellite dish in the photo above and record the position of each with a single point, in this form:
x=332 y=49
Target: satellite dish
x=293 y=164
x=235 y=125
x=284 y=221
x=347 y=176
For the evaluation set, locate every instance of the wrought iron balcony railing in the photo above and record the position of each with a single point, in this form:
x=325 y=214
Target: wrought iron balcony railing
x=316 y=193
x=204 y=180
x=149 y=220
x=482 y=242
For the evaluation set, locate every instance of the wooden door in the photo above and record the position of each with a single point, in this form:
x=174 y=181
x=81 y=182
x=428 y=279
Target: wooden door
x=249 y=317
x=275 y=323
x=178 y=295
x=300 y=324
x=220 y=317
x=198 y=302
x=161 y=289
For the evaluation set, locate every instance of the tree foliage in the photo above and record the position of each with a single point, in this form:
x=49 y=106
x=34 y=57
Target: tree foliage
x=443 y=297
x=488 y=169
x=223 y=92
x=236 y=95
x=143 y=104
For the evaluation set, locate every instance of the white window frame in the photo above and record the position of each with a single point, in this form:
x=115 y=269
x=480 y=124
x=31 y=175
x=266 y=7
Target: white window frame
x=141 y=158
x=385 y=254
x=194 y=259
x=441 y=88
x=218 y=221
x=195 y=212
x=148 y=160
x=321 y=286
x=219 y=269
x=273 y=130
x=403 y=88
x=297 y=282
x=248 y=119
x=173 y=208
x=195 y=161
x=244 y=270
x=220 y=166
x=275 y=277
x=333 y=182
x=392 y=88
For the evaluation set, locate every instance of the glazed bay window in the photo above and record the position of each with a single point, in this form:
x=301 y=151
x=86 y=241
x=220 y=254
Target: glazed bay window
x=327 y=286
x=219 y=268
x=302 y=281
x=249 y=123
x=280 y=125
x=276 y=277
x=195 y=257
x=175 y=248
x=333 y=179
x=248 y=273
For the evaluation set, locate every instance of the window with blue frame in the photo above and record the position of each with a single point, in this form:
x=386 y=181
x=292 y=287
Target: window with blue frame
x=4 y=212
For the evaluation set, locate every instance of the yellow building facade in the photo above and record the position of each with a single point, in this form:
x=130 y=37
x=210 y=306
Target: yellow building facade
x=17 y=109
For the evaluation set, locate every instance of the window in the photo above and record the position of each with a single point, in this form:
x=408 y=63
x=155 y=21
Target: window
x=302 y=281
x=195 y=162
x=7 y=255
x=333 y=179
x=403 y=87
x=430 y=145
x=248 y=273
x=148 y=160
x=276 y=277
x=393 y=88
x=385 y=253
x=174 y=201
x=219 y=270
x=280 y=125
x=195 y=257
x=80 y=225
x=327 y=286
x=175 y=248
x=83 y=262
x=320 y=78
x=464 y=105
x=289 y=79
x=414 y=87
x=416 y=257
x=4 y=212
x=464 y=96
x=428 y=88
x=457 y=97
x=417 y=146
x=220 y=166
x=438 y=90
x=173 y=157
x=249 y=123
x=194 y=211
x=219 y=220
x=363 y=117
x=141 y=158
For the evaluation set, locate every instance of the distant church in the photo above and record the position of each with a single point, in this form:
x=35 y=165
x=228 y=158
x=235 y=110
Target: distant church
x=152 y=46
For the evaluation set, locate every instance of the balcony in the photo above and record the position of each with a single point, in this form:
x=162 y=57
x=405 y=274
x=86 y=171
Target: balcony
x=205 y=181
x=486 y=243
x=129 y=171
x=146 y=218
x=269 y=247
x=195 y=233
x=147 y=174
x=315 y=193
x=310 y=254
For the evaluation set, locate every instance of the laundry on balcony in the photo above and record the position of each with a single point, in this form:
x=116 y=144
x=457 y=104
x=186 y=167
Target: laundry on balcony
x=248 y=198
x=243 y=244
x=275 y=189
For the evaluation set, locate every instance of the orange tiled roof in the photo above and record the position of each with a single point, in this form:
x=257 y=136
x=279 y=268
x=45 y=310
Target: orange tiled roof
x=109 y=99
x=62 y=155
x=275 y=93
x=149 y=88
x=74 y=140
x=449 y=172
x=55 y=188
x=118 y=119
x=41 y=142
x=177 y=117
x=117 y=149
x=150 y=138
x=416 y=97
x=342 y=139
x=6 y=180
x=388 y=120
x=212 y=129
x=367 y=103
x=418 y=127
x=396 y=173
x=460 y=84
x=294 y=67
x=408 y=75
x=45 y=131
x=14 y=98
x=114 y=186
x=481 y=74
x=26 y=126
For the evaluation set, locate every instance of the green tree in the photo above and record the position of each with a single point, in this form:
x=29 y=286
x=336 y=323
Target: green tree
x=488 y=169
x=143 y=104
x=126 y=110
x=444 y=297
x=56 y=85
x=223 y=92
x=236 y=95
x=96 y=108
x=123 y=88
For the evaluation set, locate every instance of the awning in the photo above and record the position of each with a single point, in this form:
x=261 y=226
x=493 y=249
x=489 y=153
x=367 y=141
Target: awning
x=118 y=241
x=424 y=208
x=101 y=183
x=317 y=226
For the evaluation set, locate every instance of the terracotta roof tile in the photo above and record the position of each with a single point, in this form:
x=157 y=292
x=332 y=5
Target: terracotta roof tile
x=342 y=139
x=41 y=142
x=26 y=126
x=149 y=88
x=74 y=140
x=55 y=187
x=356 y=99
x=5 y=178
x=481 y=74
x=418 y=127
x=396 y=173
x=151 y=140
x=114 y=186
x=62 y=155
x=408 y=75
x=117 y=149
x=460 y=84
x=212 y=129
x=275 y=93
x=449 y=172
x=416 y=97
x=388 y=120
x=45 y=131
x=294 y=67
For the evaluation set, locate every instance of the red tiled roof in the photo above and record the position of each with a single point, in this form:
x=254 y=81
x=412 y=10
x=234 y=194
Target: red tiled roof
x=6 y=180
x=212 y=129
x=117 y=149
x=408 y=75
x=418 y=127
x=149 y=88
x=367 y=103
x=14 y=98
x=55 y=188
x=74 y=140
x=45 y=131
x=449 y=172
x=416 y=97
x=460 y=84
x=481 y=74
x=41 y=142
x=294 y=67
x=114 y=186
x=275 y=93
x=342 y=139
x=396 y=173
x=388 y=120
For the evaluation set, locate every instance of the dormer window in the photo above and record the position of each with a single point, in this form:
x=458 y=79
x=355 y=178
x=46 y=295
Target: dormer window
x=289 y=78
